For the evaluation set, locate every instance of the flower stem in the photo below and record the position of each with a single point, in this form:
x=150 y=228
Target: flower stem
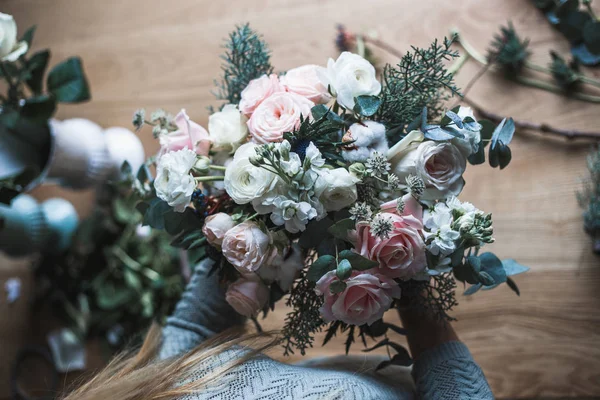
x=217 y=167
x=209 y=178
x=382 y=45
x=555 y=89
x=458 y=64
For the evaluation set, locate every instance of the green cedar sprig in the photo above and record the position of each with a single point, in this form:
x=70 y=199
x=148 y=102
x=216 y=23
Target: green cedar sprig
x=246 y=57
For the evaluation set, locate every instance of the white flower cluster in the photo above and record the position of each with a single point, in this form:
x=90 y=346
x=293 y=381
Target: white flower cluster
x=277 y=182
x=444 y=223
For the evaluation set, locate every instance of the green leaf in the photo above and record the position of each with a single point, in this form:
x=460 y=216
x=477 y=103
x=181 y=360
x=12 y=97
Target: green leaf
x=337 y=287
x=511 y=284
x=340 y=229
x=469 y=271
x=37 y=67
x=572 y=24
x=38 y=109
x=437 y=133
x=513 y=268
x=584 y=56
x=565 y=7
x=473 y=289
x=154 y=212
x=493 y=266
x=367 y=105
x=591 y=36
x=504 y=132
x=67 y=82
x=314 y=233
x=402 y=359
x=28 y=35
x=478 y=157
x=319 y=111
x=358 y=262
x=9 y=118
x=176 y=222
x=344 y=269
x=453 y=117
x=486 y=279
x=487 y=131
x=504 y=155
x=122 y=211
x=320 y=267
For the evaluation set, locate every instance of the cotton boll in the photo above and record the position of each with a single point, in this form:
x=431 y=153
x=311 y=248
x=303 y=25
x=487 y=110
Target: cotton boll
x=123 y=145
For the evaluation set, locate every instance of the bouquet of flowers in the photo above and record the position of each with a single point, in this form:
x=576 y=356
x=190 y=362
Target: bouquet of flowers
x=331 y=185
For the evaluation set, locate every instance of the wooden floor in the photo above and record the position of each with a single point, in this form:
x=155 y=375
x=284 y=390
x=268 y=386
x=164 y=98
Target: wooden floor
x=153 y=53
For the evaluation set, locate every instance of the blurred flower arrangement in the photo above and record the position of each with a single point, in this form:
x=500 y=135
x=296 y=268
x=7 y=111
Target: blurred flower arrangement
x=117 y=276
x=589 y=199
x=331 y=185
x=27 y=106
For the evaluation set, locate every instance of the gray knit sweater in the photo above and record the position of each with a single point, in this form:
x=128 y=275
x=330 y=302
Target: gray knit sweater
x=447 y=372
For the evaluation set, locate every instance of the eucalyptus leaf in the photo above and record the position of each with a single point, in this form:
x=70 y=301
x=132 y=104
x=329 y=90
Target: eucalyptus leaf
x=314 y=233
x=437 y=133
x=455 y=119
x=591 y=36
x=319 y=111
x=513 y=268
x=344 y=269
x=504 y=155
x=504 y=132
x=584 y=56
x=67 y=82
x=358 y=262
x=513 y=286
x=473 y=289
x=340 y=229
x=367 y=105
x=337 y=287
x=320 y=267
x=492 y=265
x=479 y=156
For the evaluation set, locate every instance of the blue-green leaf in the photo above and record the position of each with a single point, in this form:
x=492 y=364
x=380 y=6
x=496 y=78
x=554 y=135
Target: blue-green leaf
x=344 y=270
x=67 y=82
x=473 y=289
x=340 y=229
x=513 y=268
x=357 y=261
x=366 y=105
x=320 y=267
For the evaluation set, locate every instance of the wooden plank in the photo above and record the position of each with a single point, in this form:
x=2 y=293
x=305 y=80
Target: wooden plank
x=141 y=53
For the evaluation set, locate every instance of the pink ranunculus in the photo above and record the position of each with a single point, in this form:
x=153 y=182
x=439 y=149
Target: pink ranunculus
x=215 y=227
x=188 y=135
x=411 y=206
x=257 y=91
x=248 y=295
x=402 y=253
x=306 y=82
x=247 y=247
x=279 y=113
x=367 y=297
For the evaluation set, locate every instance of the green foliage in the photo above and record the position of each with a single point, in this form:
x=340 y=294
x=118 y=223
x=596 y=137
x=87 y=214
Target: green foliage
x=579 y=24
x=320 y=267
x=420 y=80
x=367 y=106
x=508 y=50
x=246 y=57
x=565 y=74
x=304 y=320
x=435 y=297
x=500 y=154
x=589 y=198
x=67 y=82
x=112 y=283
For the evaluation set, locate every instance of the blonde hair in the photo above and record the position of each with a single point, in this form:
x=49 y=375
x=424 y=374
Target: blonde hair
x=142 y=376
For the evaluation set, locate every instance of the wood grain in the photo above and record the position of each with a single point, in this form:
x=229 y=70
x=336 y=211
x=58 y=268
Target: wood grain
x=155 y=54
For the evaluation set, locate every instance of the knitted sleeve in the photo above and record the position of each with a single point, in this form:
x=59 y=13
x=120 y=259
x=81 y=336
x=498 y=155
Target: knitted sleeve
x=200 y=313
x=449 y=372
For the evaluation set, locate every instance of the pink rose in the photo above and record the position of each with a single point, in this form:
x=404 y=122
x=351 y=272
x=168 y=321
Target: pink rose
x=402 y=253
x=215 y=227
x=188 y=135
x=305 y=81
x=247 y=247
x=247 y=296
x=366 y=298
x=257 y=91
x=279 y=113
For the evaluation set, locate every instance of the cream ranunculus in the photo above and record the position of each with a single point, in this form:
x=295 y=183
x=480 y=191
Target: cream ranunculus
x=228 y=128
x=306 y=81
x=336 y=188
x=440 y=165
x=243 y=181
x=247 y=247
x=351 y=76
x=10 y=50
x=216 y=226
x=174 y=183
x=278 y=114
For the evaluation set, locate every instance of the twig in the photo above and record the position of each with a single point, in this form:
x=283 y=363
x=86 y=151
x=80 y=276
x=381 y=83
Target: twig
x=544 y=128
x=383 y=45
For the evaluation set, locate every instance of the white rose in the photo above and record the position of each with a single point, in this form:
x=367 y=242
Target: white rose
x=10 y=50
x=284 y=268
x=306 y=81
x=243 y=181
x=247 y=247
x=366 y=137
x=440 y=165
x=216 y=226
x=174 y=183
x=336 y=188
x=351 y=76
x=227 y=128
x=470 y=143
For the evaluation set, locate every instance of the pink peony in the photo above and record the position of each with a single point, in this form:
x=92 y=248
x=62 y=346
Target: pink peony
x=278 y=114
x=402 y=253
x=306 y=82
x=247 y=247
x=188 y=135
x=366 y=298
x=216 y=226
x=248 y=295
x=257 y=91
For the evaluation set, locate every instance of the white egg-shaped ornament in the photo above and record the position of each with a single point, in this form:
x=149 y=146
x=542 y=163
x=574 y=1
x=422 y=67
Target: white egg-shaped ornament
x=62 y=221
x=124 y=145
x=23 y=227
x=79 y=157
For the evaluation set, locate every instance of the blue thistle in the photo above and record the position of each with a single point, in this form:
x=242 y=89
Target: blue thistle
x=299 y=147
